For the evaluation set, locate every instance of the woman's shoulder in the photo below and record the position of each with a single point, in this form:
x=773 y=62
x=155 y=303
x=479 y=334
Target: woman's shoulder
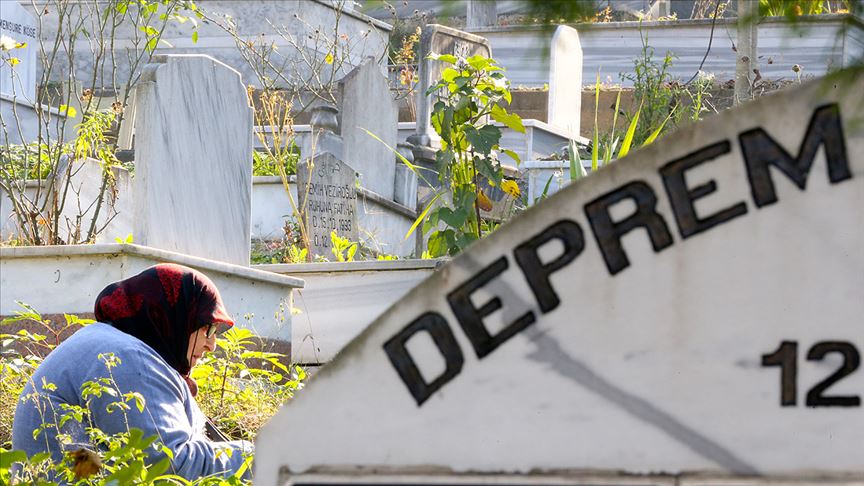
x=103 y=339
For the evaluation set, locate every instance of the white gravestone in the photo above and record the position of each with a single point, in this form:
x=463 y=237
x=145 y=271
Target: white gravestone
x=327 y=195
x=693 y=310
x=19 y=25
x=565 y=80
x=368 y=105
x=438 y=39
x=193 y=153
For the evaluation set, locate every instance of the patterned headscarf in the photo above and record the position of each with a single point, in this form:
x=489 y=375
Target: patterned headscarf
x=162 y=306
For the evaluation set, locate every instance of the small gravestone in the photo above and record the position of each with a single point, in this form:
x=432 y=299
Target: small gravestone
x=368 y=105
x=327 y=195
x=19 y=25
x=689 y=315
x=193 y=151
x=438 y=39
x=565 y=80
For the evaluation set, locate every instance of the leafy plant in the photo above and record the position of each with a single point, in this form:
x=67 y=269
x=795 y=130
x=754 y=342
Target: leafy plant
x=469 y=92
x=343 y=249
x=266 y=164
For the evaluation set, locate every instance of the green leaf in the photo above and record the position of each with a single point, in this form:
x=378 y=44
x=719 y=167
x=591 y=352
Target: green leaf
x=479 y=62
x=512 y=120
x=513 y=155
x=448 y=58
x=484 y=138
x=194 y=36
x=659 y=129
x=440 y=242
x=454 y=218
x=151 y=44
x=157 y=469
x=610 y=149
x=7 y=458
x=576 y=170
x=422 y=216
x=449 y=75
x=628 y=138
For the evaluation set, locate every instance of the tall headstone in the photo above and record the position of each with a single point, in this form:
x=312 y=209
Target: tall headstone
x=368 y=105
x=19 y=26
x=695 y=309
x=193 y=151
x=565 y=80
x=439 y=39
x=327 y=196
x=481 y=13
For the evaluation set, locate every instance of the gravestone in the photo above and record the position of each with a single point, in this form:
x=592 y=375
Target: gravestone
x=565 y=80
x=439 y=39
x=19 y=25
x=368 y=105
x=193 y=150
x=327 y=196
x=693 y=310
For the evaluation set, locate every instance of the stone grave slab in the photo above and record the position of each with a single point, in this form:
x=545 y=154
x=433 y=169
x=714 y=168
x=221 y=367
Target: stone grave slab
x=19 y=25
x=693 y=311
x=368 y=105
x=327 y=195
x=439 y=39
x=565 y=80
x=193 y=150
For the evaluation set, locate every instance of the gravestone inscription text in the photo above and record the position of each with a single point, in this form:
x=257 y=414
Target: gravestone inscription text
x=327 y=194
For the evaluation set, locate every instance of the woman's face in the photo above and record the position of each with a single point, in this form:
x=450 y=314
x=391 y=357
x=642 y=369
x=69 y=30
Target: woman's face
x=199 y=343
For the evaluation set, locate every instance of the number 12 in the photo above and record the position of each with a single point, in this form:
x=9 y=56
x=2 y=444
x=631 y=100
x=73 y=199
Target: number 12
x=786 y=357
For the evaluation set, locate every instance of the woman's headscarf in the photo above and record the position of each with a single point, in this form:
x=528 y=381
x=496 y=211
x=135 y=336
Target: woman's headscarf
x=162 y=306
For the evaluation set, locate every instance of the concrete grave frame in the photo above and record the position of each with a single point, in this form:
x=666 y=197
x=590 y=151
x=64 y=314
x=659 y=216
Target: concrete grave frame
x=632 y=323
x=67 y=279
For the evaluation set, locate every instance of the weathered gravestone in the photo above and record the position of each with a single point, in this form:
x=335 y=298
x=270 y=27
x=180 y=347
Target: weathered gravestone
x=694 y=310
x=18 y=24
x=327 y=195
x=368 y=105
x=438 y=39
x=193 y=151
x=565 y=80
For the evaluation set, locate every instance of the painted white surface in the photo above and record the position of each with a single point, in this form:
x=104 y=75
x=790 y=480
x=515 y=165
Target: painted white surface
x=367 y=104
x=193 y=180
x=340 y=299
x=654 y=368
x=56 y=279
x=17 y=24
x=564 y=104
x=23 y=124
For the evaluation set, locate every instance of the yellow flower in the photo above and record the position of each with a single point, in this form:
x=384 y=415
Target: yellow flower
x=511 y=188
x=328 y=58
x=13 y=61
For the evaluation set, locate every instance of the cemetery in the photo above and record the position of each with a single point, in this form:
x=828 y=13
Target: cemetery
x=447 y=242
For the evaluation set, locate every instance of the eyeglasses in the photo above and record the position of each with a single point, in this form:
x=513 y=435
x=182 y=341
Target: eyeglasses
x=211 y=329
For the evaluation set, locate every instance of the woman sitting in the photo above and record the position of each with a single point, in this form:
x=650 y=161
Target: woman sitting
x=152 y=328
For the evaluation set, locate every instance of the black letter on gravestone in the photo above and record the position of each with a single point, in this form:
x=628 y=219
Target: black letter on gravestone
x=537 y=273
x=437 y=327
x=471 y=318
x=608 y=233
x=760 y=151
x=681 y=197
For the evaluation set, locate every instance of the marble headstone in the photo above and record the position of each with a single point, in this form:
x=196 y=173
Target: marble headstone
x=18 y=24
x=565 y=80
x=193 y=151
x=693 y=310
x=368 y=105
x=327 y=196
x=439 y=39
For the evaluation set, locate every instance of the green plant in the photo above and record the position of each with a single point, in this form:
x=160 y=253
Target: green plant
x=469 y=92
x=343 y=249
x=266 y=164
x=30 y=161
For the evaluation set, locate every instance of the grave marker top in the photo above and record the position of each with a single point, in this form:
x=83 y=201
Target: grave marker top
x=327 y=194
x=439 y=39
x=368 y=105
x=639 y=320
x=193 y=150
x=19 y=25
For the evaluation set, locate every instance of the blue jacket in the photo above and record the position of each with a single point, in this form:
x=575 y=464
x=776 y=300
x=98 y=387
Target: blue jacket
x=170 y=411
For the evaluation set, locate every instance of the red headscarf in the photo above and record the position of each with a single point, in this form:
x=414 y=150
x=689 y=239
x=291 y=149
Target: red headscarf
x=162 y=306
